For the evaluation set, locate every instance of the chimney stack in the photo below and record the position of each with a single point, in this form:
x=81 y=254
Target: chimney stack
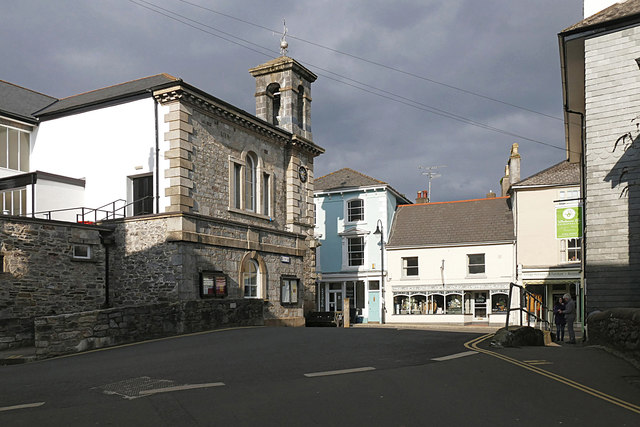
x=423 y=197
x=511 y=170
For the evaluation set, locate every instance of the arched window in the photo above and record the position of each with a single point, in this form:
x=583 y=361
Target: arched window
x=250 y=279
x=273 y=91
x=300 y=112
x=250 y=183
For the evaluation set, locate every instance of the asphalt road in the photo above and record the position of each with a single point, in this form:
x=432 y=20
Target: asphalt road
x=319 y=377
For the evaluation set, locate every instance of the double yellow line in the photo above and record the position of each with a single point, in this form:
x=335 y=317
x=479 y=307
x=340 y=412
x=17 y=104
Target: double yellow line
x=473 y=345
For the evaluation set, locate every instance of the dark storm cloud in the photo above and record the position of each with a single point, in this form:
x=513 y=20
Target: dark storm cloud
x=503 y=49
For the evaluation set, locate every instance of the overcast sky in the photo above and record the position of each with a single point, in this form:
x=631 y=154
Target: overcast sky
x=501 y=49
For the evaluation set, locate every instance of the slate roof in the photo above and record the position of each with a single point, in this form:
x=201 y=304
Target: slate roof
x=345 y=178
x=111 y=93
x=20 y=103
x=444 y=223
x=617 y=13
x=564 y=173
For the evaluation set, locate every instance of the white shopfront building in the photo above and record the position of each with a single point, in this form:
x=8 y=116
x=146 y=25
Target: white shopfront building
x=434 y=276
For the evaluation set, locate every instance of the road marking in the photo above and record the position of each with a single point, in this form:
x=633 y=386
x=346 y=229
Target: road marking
x=454 y=356
x=339 y=372
x=24 y=406
x=180 y=388
x=473 y=344
x=538 y=362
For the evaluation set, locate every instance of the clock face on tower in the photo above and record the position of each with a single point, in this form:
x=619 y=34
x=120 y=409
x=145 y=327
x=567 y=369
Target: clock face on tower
x=302 y=173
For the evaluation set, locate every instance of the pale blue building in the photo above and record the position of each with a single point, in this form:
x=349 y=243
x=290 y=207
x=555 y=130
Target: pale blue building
x=349 y=207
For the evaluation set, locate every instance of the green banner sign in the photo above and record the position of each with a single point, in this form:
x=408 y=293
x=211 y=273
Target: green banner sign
x=568 y=222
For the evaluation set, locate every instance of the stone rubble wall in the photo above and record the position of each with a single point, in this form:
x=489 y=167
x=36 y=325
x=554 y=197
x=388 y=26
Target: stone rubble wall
x=77 y=332
x=16 y=333
x=618 y=329
x=39 y=275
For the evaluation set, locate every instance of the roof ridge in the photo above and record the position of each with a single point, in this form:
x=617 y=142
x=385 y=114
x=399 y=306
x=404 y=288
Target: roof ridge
x=26 y=88
x=120 y=84
x=541 y=172
x=457 y=201
x=354 y=171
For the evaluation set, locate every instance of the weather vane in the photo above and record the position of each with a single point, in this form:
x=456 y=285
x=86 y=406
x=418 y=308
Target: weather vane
x=283 y=42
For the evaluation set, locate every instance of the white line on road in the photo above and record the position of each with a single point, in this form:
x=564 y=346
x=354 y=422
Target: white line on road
x=339 y=372
x=455 y=356
x=24 y=406
x=180 y=388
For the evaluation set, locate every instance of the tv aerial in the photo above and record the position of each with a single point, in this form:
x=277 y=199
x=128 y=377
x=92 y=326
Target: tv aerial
x=430 y=173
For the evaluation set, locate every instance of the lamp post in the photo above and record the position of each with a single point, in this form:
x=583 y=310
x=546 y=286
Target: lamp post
x=380 y=231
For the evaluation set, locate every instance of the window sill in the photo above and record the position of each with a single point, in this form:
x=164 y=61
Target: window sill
x=251 y=214
x=83 y=259
x=410 y=278
x=476 y=276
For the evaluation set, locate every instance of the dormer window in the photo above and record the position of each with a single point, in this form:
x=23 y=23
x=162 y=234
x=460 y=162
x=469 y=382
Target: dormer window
x=355 y=210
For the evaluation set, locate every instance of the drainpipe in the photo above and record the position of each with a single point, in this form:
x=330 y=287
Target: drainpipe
x=583 y=196
x=106 y=242
x=157 y=173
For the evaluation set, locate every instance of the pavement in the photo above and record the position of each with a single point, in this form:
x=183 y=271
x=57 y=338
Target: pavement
x=16 y=356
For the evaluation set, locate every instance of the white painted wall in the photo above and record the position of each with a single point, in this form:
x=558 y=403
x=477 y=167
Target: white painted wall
x=591 y=7
x=52 y=195
x=499 y=272
x=499 y=264
x=103 y=146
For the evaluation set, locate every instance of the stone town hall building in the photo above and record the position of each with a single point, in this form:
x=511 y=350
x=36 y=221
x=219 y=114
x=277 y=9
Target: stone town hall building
x=155 y=191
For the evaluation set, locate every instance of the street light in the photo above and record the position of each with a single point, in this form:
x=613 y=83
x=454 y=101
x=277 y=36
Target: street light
x=380 y=231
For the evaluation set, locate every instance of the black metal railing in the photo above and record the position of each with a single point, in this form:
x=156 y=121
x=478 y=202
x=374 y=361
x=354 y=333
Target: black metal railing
x=106 y=212
x=527 y=301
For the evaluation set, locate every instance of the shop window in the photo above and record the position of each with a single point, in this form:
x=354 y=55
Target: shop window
x=360 y=294
x=499 y=303
x=572 y=249
x=81 y=251
x=289 y=291
x=355 y=251
x=410 y=266
x=476 y=263
x=213 y=284
x=454 y=304
x=437 y=304
x=355 y=210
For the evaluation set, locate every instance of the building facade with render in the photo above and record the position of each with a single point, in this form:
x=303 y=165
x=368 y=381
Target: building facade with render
x=349 y=208
x=549 y=247
x=451 y=262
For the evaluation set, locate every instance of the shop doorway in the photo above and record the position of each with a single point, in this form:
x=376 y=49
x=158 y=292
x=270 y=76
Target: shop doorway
x=480 y=306
x=335 y=297
x=374 y=302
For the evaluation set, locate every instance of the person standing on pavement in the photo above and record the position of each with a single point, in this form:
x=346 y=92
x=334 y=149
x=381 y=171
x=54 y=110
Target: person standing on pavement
x=569 y=316
x=559 y=319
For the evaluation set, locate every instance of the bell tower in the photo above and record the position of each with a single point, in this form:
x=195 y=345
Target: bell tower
x=283 y=94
